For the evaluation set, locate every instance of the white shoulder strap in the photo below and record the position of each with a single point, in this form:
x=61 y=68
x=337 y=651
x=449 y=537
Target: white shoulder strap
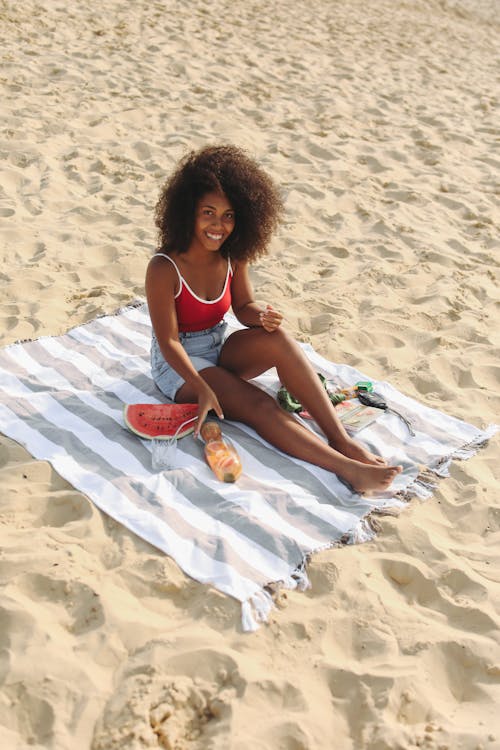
x=163 y=255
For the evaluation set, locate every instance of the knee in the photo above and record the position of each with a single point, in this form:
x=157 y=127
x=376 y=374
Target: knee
x=281 y=340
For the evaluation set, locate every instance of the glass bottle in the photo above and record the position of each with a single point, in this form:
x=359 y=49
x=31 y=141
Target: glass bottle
x=220 y=453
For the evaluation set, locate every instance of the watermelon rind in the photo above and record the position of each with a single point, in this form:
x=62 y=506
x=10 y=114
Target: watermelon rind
x=172 y=415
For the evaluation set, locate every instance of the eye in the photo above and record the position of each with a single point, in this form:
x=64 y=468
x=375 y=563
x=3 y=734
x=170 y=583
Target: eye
x=230 y=216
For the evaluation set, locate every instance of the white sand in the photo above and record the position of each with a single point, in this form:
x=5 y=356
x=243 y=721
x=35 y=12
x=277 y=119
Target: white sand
x=380 y=121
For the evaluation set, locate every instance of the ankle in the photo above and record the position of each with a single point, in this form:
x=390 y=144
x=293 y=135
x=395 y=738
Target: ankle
x=340 y=441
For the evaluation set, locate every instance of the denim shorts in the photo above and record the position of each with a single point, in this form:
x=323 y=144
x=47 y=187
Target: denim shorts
x=204 y=349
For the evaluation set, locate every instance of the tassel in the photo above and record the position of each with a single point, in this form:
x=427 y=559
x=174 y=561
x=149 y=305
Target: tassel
x=363 y=532
x=133 y=305
x=423 y=486
x=262 y=604
x=255 y=609
x=422 y=490
x=470 y=449
x=248 y=623
x=301 y=579
x=287 y=583
x=387 y=510
x=136 y=303
x=462 y=454
x=488 y=433
x=465 y=452
x=443 y=468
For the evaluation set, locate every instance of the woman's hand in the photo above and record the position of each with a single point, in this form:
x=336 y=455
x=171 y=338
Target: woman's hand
x=270 y=319
x=207 y=400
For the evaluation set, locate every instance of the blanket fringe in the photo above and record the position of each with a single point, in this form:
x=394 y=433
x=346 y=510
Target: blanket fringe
x=422 y=486
x=364 y=531
x=301 y=578
x=256 y=609
x=134 y=304
x=441 y=469
x=428 y=479
x=138 y=302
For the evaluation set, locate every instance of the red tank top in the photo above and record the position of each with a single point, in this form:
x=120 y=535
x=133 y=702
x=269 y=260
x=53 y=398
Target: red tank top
x=194 y=313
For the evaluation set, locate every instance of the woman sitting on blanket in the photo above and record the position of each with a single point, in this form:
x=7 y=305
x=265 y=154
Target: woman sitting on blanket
x=215 y=215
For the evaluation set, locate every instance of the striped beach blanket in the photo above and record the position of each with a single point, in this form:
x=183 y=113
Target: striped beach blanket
x=62 y=398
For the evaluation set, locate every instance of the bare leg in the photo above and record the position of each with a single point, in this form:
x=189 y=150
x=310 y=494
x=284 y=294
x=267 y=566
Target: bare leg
x=250 y=352
x=246 y=403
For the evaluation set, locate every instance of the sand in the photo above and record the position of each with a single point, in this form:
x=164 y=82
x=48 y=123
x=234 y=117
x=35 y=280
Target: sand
x=379 y=120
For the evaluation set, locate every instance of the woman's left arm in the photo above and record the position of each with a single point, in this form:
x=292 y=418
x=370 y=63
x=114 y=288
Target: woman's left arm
x=244 y=306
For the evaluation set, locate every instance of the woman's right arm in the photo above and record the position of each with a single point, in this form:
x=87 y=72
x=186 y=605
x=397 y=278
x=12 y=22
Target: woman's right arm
x=161 y=283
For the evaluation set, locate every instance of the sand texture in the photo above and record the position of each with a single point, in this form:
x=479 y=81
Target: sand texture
x=379 y=119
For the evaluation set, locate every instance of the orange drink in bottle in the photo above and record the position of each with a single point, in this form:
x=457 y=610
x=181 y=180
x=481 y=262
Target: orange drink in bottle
x=220 y=453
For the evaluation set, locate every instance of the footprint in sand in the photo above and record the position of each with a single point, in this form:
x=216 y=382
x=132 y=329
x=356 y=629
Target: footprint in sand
x=463 y=673
x=421 y=590
x=460 y=586
x=373 y=164
x=33 y=205
x=65 y=508
x=142 y=150
x=403 y=196
x=94 y=184
x=174 y=702
x=34 y=713
x=316 y=324
x=286 y=734
x=360 y=697
x=339 y=252
x=82 y=605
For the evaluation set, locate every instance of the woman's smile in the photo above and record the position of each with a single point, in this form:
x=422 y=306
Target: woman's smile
x=213 y=236
x=214 y=221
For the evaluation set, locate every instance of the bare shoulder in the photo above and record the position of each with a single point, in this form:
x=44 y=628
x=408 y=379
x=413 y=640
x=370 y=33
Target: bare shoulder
x=160 y=260
x=239 y=265
x=161 y=271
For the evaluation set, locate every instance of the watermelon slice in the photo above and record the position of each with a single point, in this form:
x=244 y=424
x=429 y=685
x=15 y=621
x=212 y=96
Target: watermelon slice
x=160 y=421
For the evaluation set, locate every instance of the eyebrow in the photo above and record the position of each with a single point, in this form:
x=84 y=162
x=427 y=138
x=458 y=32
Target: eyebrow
x=207 y=205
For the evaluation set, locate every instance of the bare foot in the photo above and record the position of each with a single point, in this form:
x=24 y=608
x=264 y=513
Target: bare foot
x=352 y=449
x=368 y=477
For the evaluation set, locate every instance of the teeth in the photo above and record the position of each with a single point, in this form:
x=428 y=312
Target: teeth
x=214 y=236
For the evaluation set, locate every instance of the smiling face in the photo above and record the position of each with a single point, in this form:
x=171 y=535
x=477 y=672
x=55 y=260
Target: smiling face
x=213 y=222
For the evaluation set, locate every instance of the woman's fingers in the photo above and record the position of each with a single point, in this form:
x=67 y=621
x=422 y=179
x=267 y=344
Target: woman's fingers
x=204 y=406
x=199 y=422
x=270 y=318
x=218 y=409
